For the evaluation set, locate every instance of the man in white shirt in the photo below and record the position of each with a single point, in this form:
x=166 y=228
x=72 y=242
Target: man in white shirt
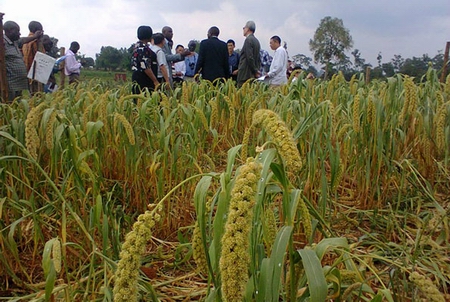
x=72 y=67
x=178 y=68
x=277 y=72
x=157 y=47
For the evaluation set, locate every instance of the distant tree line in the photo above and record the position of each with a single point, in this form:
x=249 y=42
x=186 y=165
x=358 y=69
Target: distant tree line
x=111 y=58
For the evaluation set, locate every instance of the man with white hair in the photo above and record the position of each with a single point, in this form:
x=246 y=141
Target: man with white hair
x=249 y=61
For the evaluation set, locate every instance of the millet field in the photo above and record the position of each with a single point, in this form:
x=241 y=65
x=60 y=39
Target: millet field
x=315 y=191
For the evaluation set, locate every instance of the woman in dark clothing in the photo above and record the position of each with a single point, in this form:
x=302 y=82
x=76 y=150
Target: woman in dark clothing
x=143 y=62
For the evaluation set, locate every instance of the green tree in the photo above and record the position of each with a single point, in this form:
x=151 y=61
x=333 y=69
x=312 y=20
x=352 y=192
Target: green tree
x=127 y=55
x=330 y=42
x=397 y=62
x=383 y=71
x=109 y=58
x=416 y=67
x=358 y=61
x=438 y=60
x=305 y=63
x=87 y=61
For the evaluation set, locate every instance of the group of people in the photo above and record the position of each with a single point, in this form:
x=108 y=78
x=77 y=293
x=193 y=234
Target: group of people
x=154 y=63
x=20 y=54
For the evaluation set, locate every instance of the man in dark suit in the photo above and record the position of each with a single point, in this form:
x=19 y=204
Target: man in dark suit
x=212 y=61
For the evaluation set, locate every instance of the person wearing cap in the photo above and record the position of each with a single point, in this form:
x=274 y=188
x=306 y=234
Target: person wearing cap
x=250 y=61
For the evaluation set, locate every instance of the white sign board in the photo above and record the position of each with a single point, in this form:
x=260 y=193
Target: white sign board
x=41 y=68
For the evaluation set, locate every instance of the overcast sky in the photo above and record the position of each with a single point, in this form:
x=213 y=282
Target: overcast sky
x=405 y=27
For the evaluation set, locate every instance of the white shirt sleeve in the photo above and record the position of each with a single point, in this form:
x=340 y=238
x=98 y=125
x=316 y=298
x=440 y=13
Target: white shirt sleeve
x=277 y=63
x=72 y=65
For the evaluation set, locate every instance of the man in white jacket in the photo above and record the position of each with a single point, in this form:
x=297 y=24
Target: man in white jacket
x=277 y=72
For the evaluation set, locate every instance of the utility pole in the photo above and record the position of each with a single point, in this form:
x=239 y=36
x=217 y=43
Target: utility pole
x=444 y=68
x=3 y=83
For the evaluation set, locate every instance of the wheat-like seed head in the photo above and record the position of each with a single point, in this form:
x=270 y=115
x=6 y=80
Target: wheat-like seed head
x=250 y=110
x=353 y=85
x=439 y=99
x=184 y=93
x=214 y=113
x=427 y=287
x=338 y=178
x=102 y=110
x=305 y=217
x=245 y=142
x=49 y=130
x=427 y=151
x=86 y=114
x=440 y=128
x=127 y=273
x=330 y=87
x=282 y=137
x=269 y=228
x=232 y=112
x=447 y=86
x=198 y=251
x=32 y=140
x=235 y=258
x=332 y=113
x=411 y=94
x=348 y=276
x=56 y=254
x=202 y=118
x=349 y=290
x=126 y=124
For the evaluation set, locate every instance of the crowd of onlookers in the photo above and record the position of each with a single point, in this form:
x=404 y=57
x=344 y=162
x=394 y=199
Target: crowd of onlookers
x=20 y=54
x=155 y=60
x=154 y=63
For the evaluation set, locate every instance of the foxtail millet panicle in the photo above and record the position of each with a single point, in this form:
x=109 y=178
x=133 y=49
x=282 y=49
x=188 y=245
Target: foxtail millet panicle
x=127 y=272
x=281 y=136
x=235 y=258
